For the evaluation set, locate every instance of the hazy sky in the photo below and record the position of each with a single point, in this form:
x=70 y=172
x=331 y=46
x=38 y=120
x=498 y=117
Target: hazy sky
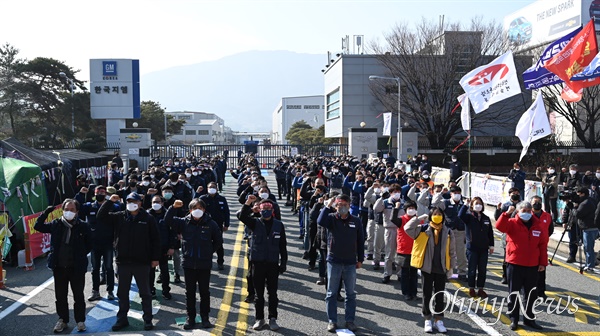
x=164 y=34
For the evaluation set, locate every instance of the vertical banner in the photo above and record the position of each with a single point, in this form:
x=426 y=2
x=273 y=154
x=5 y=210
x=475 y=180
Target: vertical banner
x=39 y=243
x=387 y=124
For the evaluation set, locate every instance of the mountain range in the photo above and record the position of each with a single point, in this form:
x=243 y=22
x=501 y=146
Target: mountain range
x=243 y=89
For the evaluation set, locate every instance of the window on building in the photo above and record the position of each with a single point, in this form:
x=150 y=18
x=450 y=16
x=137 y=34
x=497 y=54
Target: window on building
x=202 y=132
x=333 y=104
x=190 y=132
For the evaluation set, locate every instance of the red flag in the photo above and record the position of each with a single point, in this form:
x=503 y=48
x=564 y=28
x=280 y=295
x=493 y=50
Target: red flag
x=574 y=57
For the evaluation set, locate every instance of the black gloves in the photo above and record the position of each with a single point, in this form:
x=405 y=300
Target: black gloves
x=49 y=210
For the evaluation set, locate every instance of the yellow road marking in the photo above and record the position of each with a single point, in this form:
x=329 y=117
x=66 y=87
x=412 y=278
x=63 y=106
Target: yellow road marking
x=567 y=266
x=230 y=286
x=242 y=324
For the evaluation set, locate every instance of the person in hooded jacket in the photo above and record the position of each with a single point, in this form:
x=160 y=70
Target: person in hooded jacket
x=70 y=243
x=201 y=237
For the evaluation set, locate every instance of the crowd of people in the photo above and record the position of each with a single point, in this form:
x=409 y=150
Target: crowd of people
x=350 y=211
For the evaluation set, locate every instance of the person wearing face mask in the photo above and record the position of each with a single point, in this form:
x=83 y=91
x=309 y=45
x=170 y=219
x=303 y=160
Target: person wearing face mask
x=456 y=224
x=549 y=190
x=480 y=243
x=515 y=196
x=201 y=237
x=102 y=244
x=336 y=179
x=455 y=168
x=268 y=255
x=137 y=243
x=426 y=180
x=386 y=206
x=218 y=208
x=573 y=178
x=424 y=165
x=588 y=227
x=280 y=172
x=345 y=245
x=114 y=174
x=517 y=176
x=546 y=221
x=419 y=193
x=526 y=255
x=371 y=196
x=434 y=254
x=70 y=242
x=167 y=247
x=408 y=274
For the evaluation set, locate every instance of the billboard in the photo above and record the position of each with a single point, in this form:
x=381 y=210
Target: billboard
x=544 y=21
x=115 y=88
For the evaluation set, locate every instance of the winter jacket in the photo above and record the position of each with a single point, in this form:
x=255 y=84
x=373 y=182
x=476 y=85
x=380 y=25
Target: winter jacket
x=585 y=214
x=425 y=252
x=404 y=242
x=479 y=232
x=524 y=246
x=266 y=246
x=218 y=209
x=345 y=239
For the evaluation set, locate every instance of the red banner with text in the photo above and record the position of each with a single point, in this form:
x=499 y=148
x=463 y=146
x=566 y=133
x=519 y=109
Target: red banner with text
x=39 y=243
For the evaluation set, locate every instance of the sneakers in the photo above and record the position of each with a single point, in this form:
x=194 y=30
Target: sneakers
x=221 y=267
x=273 y=324
x=159 y=280
x=95 y=296
x=385 y=279
x=351 y=326
x=571 y=259
x=189 y=323
x=259 y=324
x=311 y=267
x=439 y=326
x=321 y=281
x=110 y=296
x=590 y=270
x=206 y=322
x=177 y=279
x=370 y=256
x=472 y=292
x=60 y=326
x=249 y=299
x=167 y=295
x=81 y=326
x=331 y=327
x=148 y=325
x=428 y=327
x=482 y=294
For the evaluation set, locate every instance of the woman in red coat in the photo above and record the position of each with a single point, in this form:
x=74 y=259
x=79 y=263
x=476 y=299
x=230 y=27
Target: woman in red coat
x=408 y=274
x=526 y=255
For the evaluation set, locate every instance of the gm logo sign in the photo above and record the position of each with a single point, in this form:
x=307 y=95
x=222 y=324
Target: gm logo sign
x=109 y=68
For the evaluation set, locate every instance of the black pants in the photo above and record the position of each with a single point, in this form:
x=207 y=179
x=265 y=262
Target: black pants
x=163 y=265
x=62 y=278
x=573 y=239
x=541 y=283
x=433 y=283
x=364 y=219
x=281 y=187
x=197 y=278
x=288 y=188
x=521 y=277
x=250 y=280
x=477 y=260
x=266 y=273
x=312 y=249
x=550 y=206
x=126 y=273
x=220 y=250
x=104 y=253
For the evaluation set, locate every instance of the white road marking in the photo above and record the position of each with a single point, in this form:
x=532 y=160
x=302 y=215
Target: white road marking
x=25 y=298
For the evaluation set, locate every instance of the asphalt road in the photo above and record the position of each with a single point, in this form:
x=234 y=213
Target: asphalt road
x=27 y=305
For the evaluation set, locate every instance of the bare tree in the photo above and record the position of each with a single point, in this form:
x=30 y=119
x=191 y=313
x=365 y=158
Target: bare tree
x=430 y=60
x=583 y=115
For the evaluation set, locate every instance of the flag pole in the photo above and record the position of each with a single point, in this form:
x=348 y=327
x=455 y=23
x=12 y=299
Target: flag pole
x=469 y=163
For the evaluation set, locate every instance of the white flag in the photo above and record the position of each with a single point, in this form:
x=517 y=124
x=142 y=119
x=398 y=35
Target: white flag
x=387 y=123
x=465 y=114
x=491 y=83
x=533 y=124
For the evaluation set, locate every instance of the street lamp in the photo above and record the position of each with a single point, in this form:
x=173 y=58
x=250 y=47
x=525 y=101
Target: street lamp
x=397 y=79
x=71 y=86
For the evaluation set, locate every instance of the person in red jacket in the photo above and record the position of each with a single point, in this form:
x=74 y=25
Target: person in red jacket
x=408 y=274
x=545 y=219
x=526 y=255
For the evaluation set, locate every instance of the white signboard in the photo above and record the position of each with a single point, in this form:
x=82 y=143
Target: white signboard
x=543 y=21
x=115 y=88
x=134 y=151
x=294 y=151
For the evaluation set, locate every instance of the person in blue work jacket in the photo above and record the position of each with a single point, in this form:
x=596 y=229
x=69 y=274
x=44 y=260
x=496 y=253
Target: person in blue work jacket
x=517 y=176
x=218 y=208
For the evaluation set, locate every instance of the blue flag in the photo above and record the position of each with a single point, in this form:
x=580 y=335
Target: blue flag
x=589 y=72
x=537 y=76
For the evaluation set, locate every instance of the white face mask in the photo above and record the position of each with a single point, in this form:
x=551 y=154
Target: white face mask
x=598 y=175
x=152 y=175
x=396 y=196
x=212 y=191
x=197 y=213
x=132 y=207
x=550 y=171
x=145 y=183
x=454 y=160
x=477 y=207
x=425 y=176
x=456 y=197
x=573 y=172
x=386 y=189
x=256 y=188
x=377 y=190
x=195 y=173
x=411 y=212
x=254 y=178
x=156 y=206
x=264 y=195
x=69 y=215
x=188 y=175
x=335 y=171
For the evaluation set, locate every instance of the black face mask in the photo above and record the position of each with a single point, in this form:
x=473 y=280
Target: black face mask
x=515 y=197
x=132 y=184
x=537 y=206
x=100 y=198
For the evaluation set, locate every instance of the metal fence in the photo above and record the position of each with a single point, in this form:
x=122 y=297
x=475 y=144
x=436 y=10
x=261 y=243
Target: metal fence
x=265 y=154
